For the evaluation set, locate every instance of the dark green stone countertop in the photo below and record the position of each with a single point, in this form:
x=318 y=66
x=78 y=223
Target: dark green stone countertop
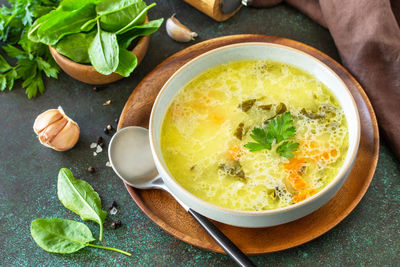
x=369 y=236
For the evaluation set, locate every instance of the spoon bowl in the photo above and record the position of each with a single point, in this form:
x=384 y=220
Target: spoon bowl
x=131 y=159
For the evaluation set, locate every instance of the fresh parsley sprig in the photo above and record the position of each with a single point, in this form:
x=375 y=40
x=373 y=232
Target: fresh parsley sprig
x=279 y=129
x=263 y=139
x=286 y=148
x=33 y=60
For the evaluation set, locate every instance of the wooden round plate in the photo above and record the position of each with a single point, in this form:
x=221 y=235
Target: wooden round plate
x=160 y=207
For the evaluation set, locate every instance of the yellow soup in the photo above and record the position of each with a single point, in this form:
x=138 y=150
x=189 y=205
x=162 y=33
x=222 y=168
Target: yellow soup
x=210 y=121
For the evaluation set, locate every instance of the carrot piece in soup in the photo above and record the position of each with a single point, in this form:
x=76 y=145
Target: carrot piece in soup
x=326 y=155
x=294 y=164
x=234 y=152
x=303 y=195
x=296 y=181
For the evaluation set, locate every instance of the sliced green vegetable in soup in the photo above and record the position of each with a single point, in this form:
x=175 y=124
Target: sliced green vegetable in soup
x=254 y=135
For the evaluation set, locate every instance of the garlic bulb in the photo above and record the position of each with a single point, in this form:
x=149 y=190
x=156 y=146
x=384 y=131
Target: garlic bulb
x=179 y=32
x=56 y=130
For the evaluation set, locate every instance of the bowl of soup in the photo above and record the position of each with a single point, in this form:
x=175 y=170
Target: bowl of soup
x=254 y=134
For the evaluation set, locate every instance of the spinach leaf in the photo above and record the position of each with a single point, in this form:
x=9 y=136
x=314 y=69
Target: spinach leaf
x=126 y=38
x=75 y=46
x=140 y=18
x=64 y=236
x=79 y=197
x=104 y=51
x=39 y=11
x=127 y=62
x=115 y=15
x=70 y=5
x=49 y=29
x=60 y=235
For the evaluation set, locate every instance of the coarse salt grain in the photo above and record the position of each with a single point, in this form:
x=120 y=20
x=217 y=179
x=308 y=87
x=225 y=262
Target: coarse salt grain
x=98 y=149
x=94 y=154
x=113 y=211
x=93 y=145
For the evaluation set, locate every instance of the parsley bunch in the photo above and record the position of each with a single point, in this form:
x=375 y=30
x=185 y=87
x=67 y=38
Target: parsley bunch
x=279 y=129
x=32 y=60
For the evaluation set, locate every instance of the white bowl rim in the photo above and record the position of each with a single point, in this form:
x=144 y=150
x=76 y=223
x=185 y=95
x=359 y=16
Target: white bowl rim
x=343 y=170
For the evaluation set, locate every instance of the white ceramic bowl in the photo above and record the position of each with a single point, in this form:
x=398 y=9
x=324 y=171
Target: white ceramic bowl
x=254 y=51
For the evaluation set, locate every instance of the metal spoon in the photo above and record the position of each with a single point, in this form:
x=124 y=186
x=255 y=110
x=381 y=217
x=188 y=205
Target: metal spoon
x=131 y=159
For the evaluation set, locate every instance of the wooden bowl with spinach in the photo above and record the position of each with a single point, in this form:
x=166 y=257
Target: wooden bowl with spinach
x=96 y=42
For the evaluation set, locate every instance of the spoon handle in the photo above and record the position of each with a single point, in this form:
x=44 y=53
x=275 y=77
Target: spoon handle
x=231 y=249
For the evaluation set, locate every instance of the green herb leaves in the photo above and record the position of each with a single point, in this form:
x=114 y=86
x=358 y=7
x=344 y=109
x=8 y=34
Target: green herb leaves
x=32 y=62
x=282 y=127
x=63 y=236
x=104 y=51
x=286 y=148
x=75 y=46
x=79 y=197
x=8 y=74
x=118 y=24
x=66 y=236
x=115 y=15
x=278 y=129
x=60 y=235
x=264 y=140
x=126 y=38
x=127 y=63
x=50 y=28
x=33 y=59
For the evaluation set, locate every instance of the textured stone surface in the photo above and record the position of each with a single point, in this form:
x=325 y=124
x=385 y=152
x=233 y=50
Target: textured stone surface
x=28 y=171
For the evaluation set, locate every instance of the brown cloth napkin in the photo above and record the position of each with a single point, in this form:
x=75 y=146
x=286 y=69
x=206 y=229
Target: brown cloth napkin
x=367 y=35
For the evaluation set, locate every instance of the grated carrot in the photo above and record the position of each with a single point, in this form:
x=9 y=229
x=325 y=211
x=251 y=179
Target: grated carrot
x=303 y=195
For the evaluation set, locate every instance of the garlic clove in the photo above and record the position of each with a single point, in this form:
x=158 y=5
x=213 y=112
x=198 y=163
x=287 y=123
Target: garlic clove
x=56 y=130
x=179 y=32
x=46 y=118
x=51 y=131
x=67 y=137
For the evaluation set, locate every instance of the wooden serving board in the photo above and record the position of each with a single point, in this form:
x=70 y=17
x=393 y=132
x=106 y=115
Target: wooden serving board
x=160 y=207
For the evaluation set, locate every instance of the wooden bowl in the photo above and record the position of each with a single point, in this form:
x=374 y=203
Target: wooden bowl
x=87 y=73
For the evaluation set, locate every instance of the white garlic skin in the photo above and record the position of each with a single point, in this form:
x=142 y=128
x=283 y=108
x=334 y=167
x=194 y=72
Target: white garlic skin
x=56 y=130
x=179 y=32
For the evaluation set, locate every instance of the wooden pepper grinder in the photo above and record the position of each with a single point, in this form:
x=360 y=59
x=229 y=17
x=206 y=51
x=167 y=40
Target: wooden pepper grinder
x=219 y=10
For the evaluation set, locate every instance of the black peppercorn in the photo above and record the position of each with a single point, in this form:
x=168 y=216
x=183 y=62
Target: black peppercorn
x=109 y=127
x=91 y=169
x=99 y=140
x=113 y=225
x=101 y=144
x=95 y=88
x=114 y=204
x=106 y=131
x=118 y=223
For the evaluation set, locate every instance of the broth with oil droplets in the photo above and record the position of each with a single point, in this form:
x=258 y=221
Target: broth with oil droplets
x=210 y=120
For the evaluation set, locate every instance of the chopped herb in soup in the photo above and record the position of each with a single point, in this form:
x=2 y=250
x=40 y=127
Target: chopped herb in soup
x=254 y=135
